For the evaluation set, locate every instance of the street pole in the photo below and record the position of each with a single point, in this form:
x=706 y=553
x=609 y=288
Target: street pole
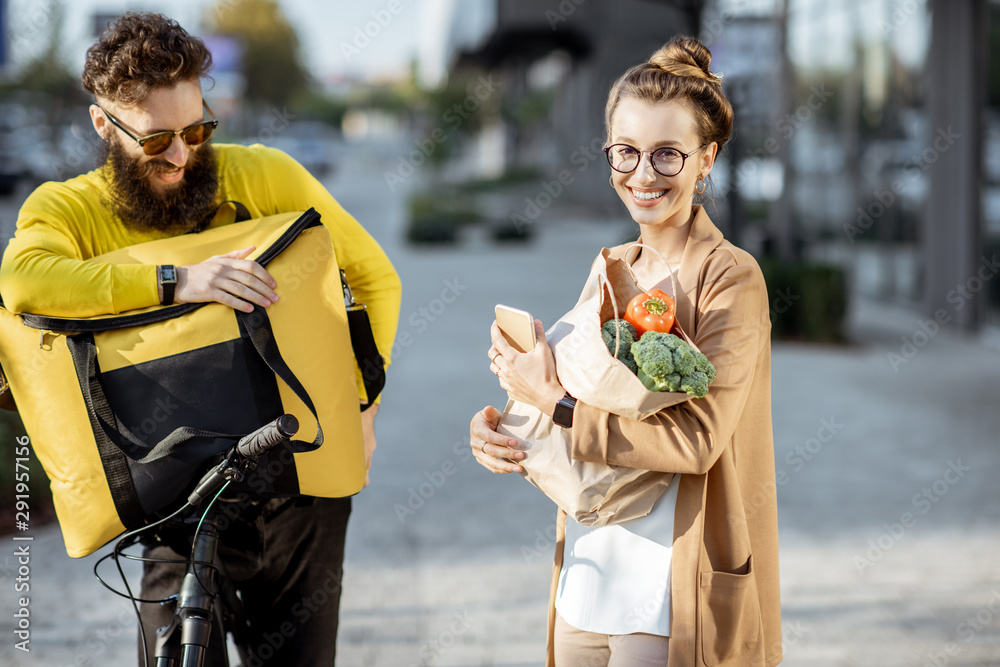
x=953 y=238
x=780 y=211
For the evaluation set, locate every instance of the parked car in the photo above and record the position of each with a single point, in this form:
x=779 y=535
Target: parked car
x=311 y=143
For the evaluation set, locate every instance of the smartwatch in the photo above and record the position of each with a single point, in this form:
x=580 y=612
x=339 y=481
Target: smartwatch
x=166 y=278
x=563 y=412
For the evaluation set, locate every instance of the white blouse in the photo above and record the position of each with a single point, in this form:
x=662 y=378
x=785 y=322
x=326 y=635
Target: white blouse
x=615 y=580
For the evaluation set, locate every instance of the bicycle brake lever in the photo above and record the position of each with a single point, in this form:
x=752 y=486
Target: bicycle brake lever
x=213 y=481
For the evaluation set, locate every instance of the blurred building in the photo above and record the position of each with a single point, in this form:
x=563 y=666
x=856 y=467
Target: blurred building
x=555 y=61
x=859 y=133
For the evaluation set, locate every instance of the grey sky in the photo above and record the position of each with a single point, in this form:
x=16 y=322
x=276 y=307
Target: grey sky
x=326 y=29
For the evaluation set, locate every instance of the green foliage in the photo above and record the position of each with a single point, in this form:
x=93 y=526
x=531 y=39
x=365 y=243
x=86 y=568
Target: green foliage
x=534 y=107
x=271 y=66
x=807 y=301
x=392 y=99
x=321 y=107
x=46 y=82
x=507 y=231
x=462 y=106
x=511 y=177
x=436 y=218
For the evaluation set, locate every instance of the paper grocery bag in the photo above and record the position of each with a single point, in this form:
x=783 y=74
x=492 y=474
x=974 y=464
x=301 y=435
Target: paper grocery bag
x=594 y=494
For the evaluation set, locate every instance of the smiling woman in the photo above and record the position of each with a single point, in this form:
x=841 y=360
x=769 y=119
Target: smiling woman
x=695 y=581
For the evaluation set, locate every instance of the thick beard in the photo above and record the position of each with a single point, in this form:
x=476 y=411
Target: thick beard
x=183 y=207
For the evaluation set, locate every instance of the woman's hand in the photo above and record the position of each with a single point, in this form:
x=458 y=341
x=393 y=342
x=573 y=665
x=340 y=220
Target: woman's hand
x=229 y=279
x=488 y=446
x=529 y=377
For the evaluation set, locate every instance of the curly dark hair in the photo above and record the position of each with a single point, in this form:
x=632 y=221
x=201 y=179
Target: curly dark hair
x=139 y=53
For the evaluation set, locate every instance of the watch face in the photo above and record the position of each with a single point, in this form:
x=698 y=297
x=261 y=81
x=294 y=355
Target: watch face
x=563 y=412
x=168 y=274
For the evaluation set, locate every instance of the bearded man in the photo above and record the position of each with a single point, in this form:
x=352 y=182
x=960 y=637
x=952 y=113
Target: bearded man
x=160 y=176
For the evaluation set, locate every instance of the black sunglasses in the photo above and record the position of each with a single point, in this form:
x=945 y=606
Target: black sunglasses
x=156 y=143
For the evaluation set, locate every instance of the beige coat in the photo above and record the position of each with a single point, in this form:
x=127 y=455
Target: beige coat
x=724 y=602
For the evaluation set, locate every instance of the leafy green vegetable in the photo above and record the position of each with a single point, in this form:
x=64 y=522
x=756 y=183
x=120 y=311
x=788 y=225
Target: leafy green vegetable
x=667 y=363
x=626 y=336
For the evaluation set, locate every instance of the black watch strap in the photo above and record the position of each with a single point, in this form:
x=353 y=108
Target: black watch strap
x=166 y=278
x=563 y=412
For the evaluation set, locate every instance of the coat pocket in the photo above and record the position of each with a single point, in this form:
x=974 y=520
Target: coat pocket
x=730 y=615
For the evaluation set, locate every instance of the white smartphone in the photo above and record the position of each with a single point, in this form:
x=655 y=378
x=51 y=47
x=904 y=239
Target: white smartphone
x=517 y=327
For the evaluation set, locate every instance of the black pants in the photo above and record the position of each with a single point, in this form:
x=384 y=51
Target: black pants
x=285 y=557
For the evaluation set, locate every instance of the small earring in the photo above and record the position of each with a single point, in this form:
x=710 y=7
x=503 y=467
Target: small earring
x=611 y=181
x=700 y=185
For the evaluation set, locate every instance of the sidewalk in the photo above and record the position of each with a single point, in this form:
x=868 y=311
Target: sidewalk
x=875 y=571
x=889 y=512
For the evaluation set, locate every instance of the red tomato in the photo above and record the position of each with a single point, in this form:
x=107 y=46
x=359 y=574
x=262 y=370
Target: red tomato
x=651 y=311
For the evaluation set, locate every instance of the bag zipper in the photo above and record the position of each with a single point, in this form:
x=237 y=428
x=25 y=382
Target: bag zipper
x=307 y=220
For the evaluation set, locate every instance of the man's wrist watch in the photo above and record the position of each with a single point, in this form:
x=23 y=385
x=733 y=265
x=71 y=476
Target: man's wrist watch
x=563 y=412
x=166 y=278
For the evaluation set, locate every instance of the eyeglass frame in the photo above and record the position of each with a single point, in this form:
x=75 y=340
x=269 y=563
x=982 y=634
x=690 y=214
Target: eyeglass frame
x=214 y=122
x=684 y=157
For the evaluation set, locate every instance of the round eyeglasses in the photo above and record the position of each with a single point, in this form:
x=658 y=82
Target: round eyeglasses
x=624 y=158
x=159 y=142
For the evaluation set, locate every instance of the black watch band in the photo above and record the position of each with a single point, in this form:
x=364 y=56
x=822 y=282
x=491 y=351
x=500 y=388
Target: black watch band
x=563 y=412
x=166 y=278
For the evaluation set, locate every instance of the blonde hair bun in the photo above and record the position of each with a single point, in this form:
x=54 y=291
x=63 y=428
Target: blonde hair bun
x=688 y=57
x=678 y=71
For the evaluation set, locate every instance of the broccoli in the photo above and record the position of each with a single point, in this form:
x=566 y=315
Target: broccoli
x=626 y=336
x=683 y=360
x=667 y=363
x=695 y=384
x=703 y=365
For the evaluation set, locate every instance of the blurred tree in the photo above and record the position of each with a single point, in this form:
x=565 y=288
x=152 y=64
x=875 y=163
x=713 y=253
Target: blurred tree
x=45 y=82
x=271 y=66
x=323 y=107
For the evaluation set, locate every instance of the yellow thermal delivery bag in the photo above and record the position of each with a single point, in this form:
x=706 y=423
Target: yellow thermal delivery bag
x=126 y=412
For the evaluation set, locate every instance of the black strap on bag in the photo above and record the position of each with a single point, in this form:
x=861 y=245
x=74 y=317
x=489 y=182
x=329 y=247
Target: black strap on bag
x=106 y=424
x=306 y=221
x=370 y=362
x=114 y=441
x=118 y=446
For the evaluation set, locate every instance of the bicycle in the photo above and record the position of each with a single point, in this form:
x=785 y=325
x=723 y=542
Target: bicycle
x=185 y=642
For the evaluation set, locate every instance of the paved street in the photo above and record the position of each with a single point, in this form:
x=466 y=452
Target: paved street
x=889 y=508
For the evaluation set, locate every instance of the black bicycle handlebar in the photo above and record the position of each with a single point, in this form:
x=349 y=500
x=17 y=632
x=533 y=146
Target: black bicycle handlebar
x=249 y=447
x=267 y=436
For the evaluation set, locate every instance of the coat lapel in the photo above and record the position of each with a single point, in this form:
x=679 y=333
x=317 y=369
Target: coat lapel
x=703 y=239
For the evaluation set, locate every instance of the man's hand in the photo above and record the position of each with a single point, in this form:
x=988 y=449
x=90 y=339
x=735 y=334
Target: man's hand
x=229 y=279
x=368 y=431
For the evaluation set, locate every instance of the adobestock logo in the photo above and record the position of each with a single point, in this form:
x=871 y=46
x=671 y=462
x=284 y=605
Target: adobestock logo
x=886 y=199
x=958 y=297
x=923 y=502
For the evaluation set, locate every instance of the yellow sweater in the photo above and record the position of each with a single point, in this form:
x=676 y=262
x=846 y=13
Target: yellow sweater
x=63 y=224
